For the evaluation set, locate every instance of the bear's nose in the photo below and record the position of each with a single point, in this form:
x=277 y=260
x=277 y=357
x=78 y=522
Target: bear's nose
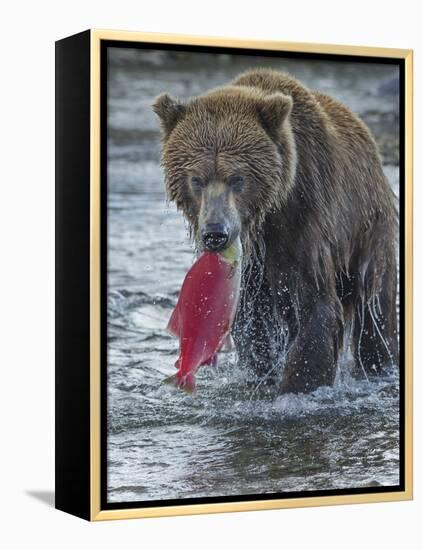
x=215 y=236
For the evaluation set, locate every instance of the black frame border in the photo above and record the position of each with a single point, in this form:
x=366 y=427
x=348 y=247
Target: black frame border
x=72 y=274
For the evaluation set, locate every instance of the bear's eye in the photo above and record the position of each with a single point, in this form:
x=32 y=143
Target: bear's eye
x=197 y=183
x=236 y=182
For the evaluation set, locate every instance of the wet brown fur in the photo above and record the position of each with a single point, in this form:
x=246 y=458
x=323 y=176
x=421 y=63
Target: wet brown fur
x=319 y=223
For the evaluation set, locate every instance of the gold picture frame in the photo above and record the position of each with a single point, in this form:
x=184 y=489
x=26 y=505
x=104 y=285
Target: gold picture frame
x=86 y=500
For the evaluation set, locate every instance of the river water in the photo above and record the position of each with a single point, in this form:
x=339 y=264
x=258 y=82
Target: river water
x=225 y=440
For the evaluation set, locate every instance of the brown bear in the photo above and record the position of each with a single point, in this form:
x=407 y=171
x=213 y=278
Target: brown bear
x=298 y=176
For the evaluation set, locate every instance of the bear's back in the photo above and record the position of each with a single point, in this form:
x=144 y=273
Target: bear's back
x=322 y=125
x=307 y=104
x=271 y=81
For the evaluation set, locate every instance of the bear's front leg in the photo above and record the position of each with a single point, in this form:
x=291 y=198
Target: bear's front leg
x=312 y=357
x=258 y=337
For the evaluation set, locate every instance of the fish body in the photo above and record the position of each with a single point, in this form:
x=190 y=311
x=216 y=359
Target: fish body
x=204 y=313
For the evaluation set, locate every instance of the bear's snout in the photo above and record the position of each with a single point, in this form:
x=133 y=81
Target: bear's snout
x=215 y=236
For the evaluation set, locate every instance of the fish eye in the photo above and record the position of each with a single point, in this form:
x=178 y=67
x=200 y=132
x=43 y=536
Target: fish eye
x=236 y=182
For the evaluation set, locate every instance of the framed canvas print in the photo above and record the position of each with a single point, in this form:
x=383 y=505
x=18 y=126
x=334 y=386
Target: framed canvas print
x=233 y=275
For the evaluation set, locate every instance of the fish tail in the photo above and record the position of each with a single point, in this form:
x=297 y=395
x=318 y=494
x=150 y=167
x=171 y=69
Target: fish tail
x=186 y=383
x=171 y=380
x=189 y=384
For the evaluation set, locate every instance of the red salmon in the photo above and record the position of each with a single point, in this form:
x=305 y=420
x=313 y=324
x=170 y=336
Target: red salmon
x=203 y=316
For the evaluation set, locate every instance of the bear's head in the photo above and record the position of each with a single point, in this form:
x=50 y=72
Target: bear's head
x=229 y=159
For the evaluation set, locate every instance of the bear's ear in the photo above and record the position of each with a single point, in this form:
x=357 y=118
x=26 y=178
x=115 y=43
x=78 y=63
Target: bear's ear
x=169 y=110
x=274 y=110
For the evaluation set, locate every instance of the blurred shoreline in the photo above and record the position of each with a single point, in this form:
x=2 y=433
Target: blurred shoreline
x=378 y=105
